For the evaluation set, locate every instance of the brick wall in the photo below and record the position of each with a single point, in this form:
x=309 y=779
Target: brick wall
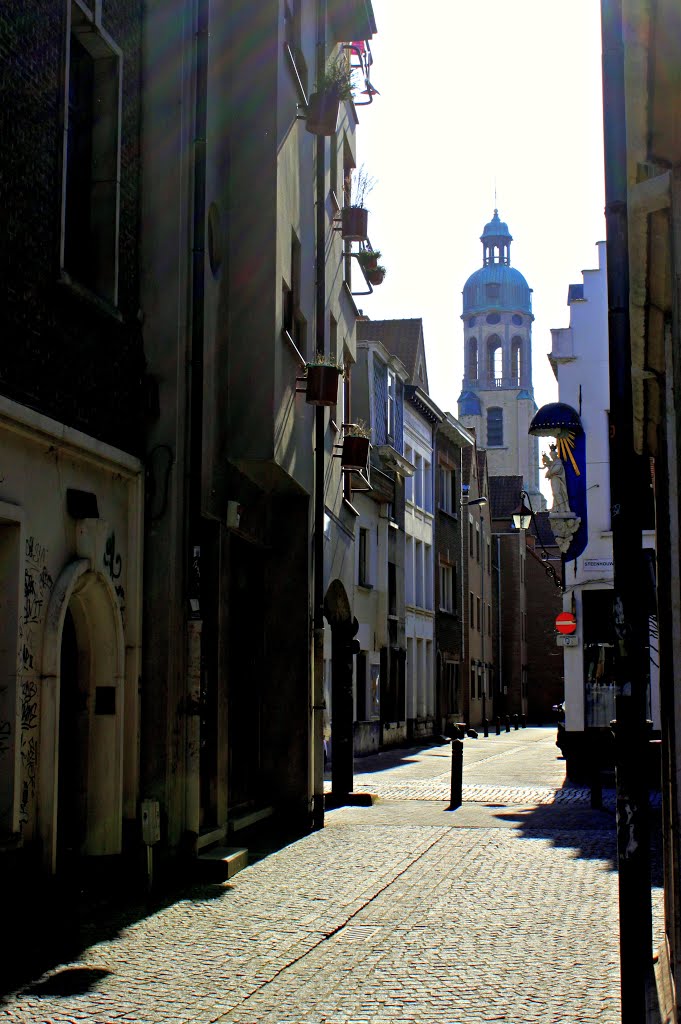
x=63 y=354
x=544 y=658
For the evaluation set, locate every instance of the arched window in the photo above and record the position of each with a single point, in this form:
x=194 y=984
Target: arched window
x=516 y=359
x=472 y=373
x=495 y=427
x=494 y=359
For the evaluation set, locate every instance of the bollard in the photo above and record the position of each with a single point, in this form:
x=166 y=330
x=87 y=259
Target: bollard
x=497 y=723
x=508 y=724
x=523 y=721
x=457 y=775
x=515 y=722
x=485 y=728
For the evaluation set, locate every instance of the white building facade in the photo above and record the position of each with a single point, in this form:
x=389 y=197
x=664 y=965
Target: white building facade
x=579 y=357
x=419 y=416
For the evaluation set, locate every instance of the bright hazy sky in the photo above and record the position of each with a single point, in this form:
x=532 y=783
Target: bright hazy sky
x=473 y=91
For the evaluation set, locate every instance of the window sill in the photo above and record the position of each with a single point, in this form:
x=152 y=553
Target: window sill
x=365 y=586
x=350 y=507
x=96 y=301
x=446 y=512
x=451 y=614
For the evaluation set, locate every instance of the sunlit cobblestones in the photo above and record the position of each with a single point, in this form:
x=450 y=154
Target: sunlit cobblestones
x=505 y=910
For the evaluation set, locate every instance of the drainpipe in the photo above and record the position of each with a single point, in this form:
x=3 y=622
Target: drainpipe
x=195 y=440
x=318 y=548
x=630 y=727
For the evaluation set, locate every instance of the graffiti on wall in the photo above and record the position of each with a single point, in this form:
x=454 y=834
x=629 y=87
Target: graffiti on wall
x=113 y=562
x=38 y=584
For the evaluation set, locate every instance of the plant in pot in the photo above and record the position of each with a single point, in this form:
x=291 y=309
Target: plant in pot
x=356 y=443
x=375 y=275
x=368 y=259
x=354 y=215
x=322 y=376
x=333 y=86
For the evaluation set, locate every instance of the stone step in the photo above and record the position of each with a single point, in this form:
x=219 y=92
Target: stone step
x=224 y=860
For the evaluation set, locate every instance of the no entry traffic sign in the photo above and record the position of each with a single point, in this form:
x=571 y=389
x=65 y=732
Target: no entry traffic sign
x=566 y=622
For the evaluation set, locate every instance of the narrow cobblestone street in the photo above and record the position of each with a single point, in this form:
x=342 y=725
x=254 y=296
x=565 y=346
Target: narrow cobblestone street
x=504 y=910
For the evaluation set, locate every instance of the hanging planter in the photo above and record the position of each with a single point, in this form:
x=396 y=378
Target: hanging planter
x=354 y=223
x=368 y=259
x=375 y=276
x=333 y=87
x=322 y=383
x=322 y=113
x=356 y=444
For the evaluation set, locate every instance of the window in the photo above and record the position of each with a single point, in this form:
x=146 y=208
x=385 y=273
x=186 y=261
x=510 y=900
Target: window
x=363 y=558
x=346 y=418
x=493 y=352
x=418 y=482
x=446 y=485
x=495 y=427
x=428 y=566
x=477 y=542
x=489 y=619
x=418 y=574
x=447 y=588
x=92 y=159
x=293 y=35
x=472 y=611
x=409 y=589
x=409 y=480
x=489 y=557
x=474 y=677
x=471 y=543
x=451 y=686
x=294 y=321
x=478 y=606
x=427 y=486
x=361 y=686
x=516 y=360
x=392 y=386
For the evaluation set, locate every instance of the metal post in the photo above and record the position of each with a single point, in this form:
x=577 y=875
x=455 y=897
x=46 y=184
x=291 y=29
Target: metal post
x=633 y=840
x=456 y=789
x=497 y=725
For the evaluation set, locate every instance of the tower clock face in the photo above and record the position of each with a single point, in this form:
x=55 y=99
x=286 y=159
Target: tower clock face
x=471 y=322
x=493 y=318
x=517 y=320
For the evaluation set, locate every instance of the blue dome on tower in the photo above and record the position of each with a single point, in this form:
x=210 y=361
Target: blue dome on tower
x=497 y=285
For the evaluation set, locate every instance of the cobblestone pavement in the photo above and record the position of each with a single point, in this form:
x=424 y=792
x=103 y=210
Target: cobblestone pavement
x=504 y=910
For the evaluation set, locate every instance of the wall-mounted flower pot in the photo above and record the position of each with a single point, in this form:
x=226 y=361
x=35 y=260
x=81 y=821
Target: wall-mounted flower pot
x=355 y=453
x=322 y=113
x=375 y=276
x=354 y=223
x=368 y=260
x=322 y=384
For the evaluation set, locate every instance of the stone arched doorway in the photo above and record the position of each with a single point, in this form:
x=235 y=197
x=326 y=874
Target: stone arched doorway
x=82 y=715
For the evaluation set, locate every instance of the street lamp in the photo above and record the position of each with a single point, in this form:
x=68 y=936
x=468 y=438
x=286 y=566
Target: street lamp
x=522 y=517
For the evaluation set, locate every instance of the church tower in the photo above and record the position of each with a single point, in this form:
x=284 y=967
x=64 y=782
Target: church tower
x=497 y=399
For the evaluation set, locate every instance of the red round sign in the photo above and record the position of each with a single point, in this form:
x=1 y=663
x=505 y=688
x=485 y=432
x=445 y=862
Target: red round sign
x=566 y=622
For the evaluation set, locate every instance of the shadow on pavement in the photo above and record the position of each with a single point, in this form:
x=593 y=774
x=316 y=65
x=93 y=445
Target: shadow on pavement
x=387 y=759
x=590 y=832
x=54 y=924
